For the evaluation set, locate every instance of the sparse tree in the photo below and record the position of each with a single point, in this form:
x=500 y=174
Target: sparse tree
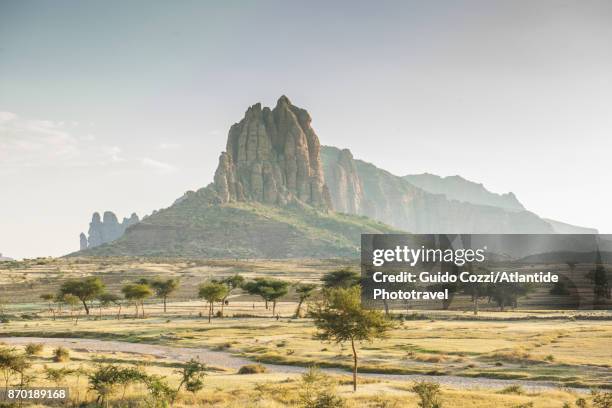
x=192 y=375
x=49 y=298
x=106 y=299
x=13 y=363
x=340 y=318
x=342 y=278
x=164 y=288
x=232 y=282
x=508 y=293
x=601 y=286
x=271 y=290
x=212 y=292
x=475 y=290
x=304 y=292
x=75 y=305
x=137 y=293
x=429 y=394
x=86 y=289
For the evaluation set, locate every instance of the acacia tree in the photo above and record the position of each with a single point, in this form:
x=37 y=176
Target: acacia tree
x=212 y=292
x=137 y=293
x=304 y=291
x=475 y=290
x=232 y=282
x=86 y=290
x=164 y=288
x=106 y=299
x=74 y=303
x=342 y=278
x=507 y=294
x=340 y=318
x=269 y=289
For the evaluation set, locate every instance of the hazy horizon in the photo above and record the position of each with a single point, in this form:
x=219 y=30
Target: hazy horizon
x=125 y=106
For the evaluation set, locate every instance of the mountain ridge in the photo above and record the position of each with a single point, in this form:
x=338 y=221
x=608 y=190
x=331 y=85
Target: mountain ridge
x=310 y=200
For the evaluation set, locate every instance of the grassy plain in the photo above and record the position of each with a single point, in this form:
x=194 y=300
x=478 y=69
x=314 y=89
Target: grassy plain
x=567 y=349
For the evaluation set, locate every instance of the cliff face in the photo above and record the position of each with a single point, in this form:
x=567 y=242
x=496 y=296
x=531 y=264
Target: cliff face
x=391 y=199
x=272 y=157
x=106 y=229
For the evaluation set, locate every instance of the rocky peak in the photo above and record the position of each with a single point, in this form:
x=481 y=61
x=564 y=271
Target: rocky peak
x=105 y=229
x=272 y=156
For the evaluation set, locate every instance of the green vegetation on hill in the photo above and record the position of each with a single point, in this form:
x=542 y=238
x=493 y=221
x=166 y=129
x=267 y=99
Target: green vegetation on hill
x=197 y=226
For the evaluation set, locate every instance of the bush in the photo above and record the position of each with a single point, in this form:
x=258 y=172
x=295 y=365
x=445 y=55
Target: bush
x=581 y=403
x=34 y=349
x=602 y=399
x=61 y=354
x=252 y=369
x=525 y=405
x=429 y=394
x=513 y=389
x=327 y=400
x=317 y=391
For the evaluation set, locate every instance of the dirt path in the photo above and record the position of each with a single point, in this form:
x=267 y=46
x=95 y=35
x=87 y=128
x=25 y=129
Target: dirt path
x=226 y=360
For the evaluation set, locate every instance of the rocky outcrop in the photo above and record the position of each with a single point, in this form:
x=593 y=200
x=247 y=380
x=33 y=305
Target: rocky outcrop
x=272 y=157
x=347 y=192
x=361 y=188
x=82 y=241
x=106 y=229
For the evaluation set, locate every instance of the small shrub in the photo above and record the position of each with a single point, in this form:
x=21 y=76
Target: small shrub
x=429 y=394
x=602 y=399
x=567 y=405
x=61 y=354
x=192 y=376
x=33 y=349
x=317 y=391
x=549 y=358
x=513 y=389
x=327 y=400
x=525 y=405
x=223 y=346
x=581 y=403
x=252 y=369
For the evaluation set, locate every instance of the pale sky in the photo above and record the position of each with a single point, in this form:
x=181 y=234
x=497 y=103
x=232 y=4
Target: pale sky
x=123 y=106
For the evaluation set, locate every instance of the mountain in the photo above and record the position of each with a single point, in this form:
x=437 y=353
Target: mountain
x=5 y=258
x=563 y=228
x=358 y=187
x=278 y=193
x=268 y=200
x=459 y=189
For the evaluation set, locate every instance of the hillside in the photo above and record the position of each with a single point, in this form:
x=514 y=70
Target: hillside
x=200 y=227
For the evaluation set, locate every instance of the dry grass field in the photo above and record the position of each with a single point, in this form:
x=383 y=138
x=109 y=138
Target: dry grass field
x=552 y=358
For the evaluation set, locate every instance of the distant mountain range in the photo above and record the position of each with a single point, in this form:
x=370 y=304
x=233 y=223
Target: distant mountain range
x=277 y=193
